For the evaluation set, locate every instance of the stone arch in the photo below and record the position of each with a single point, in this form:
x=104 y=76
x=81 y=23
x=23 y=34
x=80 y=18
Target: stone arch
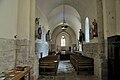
x=71 y=15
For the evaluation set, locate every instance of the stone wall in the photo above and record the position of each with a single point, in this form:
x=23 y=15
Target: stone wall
x=23 y=52
x=25 y=57
x=104 y=70
x=90 y=49
x=100 y=63
x=7 y=54
x=105 y=61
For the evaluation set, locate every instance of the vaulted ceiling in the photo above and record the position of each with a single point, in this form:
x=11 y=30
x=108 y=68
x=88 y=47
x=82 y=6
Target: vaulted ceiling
x=74 y=10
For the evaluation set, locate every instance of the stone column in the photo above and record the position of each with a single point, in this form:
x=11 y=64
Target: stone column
x=101 y=49
x=33 y=57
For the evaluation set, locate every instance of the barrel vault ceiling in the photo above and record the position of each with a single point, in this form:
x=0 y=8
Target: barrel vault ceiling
x=74 y=9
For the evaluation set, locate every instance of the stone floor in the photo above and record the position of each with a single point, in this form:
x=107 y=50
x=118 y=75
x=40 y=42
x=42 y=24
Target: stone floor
x=67 y=72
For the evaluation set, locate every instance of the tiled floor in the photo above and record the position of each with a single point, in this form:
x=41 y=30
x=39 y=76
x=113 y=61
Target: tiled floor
x=67 y=72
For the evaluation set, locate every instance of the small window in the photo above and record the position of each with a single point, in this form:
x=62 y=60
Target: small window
x=87 y=38
x=63 y=41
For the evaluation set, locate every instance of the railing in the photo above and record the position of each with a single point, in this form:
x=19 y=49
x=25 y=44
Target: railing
x=16 y=74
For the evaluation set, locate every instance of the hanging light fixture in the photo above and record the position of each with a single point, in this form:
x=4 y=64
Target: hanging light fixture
x=64 y=25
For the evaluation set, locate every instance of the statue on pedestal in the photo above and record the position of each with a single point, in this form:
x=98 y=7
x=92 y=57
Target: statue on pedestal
x=81 y=36
x=95 y=34
x=48 y=36
x=38 y=30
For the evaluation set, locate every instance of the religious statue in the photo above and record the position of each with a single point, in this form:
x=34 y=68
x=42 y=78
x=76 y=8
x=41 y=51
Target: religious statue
x=37 y=21
x=81 y=36
x=95 y=34
x=48 y=36
x=39 y=32
x=91 y=32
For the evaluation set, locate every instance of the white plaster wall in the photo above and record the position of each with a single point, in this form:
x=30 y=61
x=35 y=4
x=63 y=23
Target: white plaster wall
x=41 y=45
x=91 y=13
x=118 y=16
x=8 y=18
x=43 y=19
x=111 y=17
x=23 y=19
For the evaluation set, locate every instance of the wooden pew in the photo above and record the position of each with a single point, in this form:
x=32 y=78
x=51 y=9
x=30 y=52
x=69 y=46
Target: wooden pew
x=81 y=62
x=49 y=64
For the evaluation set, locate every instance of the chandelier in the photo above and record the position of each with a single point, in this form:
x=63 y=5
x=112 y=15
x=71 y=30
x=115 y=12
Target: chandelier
x=64 y=24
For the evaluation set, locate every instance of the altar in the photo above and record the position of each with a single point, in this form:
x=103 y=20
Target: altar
x=65 y=55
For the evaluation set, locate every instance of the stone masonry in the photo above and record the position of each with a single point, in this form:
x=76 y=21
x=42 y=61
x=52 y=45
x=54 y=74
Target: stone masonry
x=25 y=57
x=100 y=63
x=7 y=54
x=17 y=52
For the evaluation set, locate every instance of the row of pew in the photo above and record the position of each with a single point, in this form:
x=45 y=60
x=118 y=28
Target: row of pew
x=49 y=64
x=81 y=62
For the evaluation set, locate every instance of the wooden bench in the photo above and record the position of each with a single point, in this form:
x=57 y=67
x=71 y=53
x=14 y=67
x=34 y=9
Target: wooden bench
x=49 y=64
x=81 y=62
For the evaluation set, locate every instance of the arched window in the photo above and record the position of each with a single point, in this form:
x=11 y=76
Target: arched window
x=87 y=37
x=63 y=41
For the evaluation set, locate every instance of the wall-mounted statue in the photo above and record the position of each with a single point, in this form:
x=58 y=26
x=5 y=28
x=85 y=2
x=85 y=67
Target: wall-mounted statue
x=37 y=21
x=95 y=34
x=91 y=32
x=39 y=32
x=48 y=36
x=81 y=36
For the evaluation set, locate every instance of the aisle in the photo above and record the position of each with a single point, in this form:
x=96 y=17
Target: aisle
x=67 y=72
x=66 y=69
